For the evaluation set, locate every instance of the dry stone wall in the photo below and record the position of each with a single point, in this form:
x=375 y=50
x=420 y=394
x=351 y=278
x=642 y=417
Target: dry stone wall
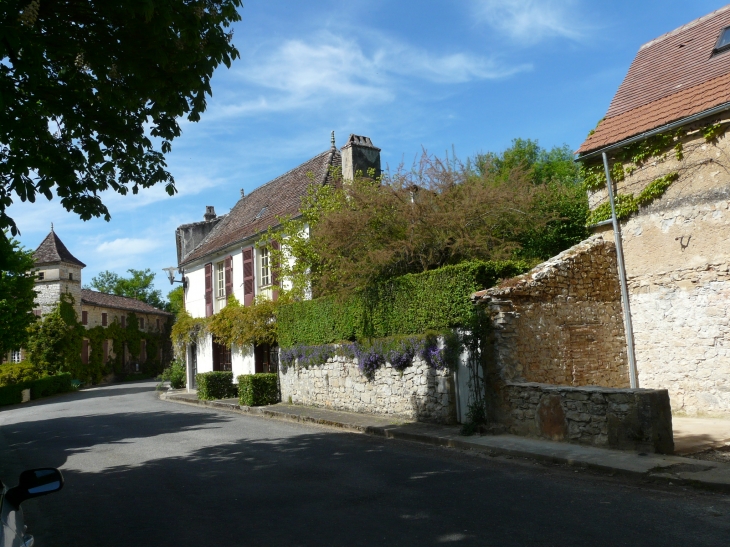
x=633 y=419
x=562 y=322
x=420 y=393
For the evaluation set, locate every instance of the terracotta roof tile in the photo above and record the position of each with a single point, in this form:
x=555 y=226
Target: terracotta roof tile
x=53 y=250
x=106 y=300
x=672 y=77
x=258 y=211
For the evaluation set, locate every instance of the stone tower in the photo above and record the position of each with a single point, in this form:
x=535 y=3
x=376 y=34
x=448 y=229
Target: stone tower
x=359 y=154
x=57 y=272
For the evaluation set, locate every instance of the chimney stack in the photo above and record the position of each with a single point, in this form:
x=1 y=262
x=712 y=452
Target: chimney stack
x=209 y=212
x=359 y=154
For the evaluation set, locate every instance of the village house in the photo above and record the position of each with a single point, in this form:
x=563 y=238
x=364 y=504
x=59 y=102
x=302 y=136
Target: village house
x=58 y=272
x=664 y=137
x=219 y=256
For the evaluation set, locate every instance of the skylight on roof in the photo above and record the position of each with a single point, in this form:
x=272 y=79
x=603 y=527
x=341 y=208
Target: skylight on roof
x=262 y=212
x=723 y=42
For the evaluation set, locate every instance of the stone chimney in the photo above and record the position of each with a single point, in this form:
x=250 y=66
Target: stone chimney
x=209 y=213
x=359 y=154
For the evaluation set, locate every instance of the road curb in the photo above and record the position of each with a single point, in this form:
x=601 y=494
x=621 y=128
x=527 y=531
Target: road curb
x=654 y=468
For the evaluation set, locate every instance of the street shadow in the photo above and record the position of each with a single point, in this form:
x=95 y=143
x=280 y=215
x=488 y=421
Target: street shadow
x=271 y=483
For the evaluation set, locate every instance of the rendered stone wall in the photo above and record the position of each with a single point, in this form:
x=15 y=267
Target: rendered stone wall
x=562 y=322
x=419 y=393
x=678 y=267
x=631 y=419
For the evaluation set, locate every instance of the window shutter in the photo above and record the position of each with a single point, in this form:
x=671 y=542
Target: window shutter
x=208 y=289
x=248 y=276
x=85 y=351
x=275 y=273
x=104 y=319
x=124 y=321
x=229 y=276
x=84 y=317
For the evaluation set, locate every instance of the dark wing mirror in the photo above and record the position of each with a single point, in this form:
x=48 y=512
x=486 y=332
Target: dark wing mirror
x=34 y=483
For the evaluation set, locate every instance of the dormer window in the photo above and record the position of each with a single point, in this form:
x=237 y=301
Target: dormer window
x=723 y=42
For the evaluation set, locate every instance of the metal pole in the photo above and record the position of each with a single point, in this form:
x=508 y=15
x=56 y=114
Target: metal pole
x=628 y=327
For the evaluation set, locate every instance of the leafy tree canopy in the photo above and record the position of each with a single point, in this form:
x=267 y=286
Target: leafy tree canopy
x=175 y=303
x=91 y=92
x=16 y=293
x=524 y=203
x=138 y=285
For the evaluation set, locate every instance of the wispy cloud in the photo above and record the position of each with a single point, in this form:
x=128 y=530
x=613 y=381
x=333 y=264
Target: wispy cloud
x=531 y=21
x=304 y=74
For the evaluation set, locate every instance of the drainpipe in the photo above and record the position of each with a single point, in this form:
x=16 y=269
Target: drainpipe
x=628 y=327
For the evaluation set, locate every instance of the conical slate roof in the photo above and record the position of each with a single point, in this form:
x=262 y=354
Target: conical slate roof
x=53 y=250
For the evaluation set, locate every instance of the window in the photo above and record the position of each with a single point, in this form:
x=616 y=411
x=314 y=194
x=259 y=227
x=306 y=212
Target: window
x=265 y=271
x=103 y=319
x=70 y=276
x=141 y=322
x=41 y=275
x=158 y=323
x=124 y=321
x=15 y=356
x=84 y=318
x=220 y=280
x=723 y=42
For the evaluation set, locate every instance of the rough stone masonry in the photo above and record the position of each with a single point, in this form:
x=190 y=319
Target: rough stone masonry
x=420 y=392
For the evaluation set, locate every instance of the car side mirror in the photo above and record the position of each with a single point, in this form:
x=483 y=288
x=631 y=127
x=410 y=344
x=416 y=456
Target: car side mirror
x=34 y=483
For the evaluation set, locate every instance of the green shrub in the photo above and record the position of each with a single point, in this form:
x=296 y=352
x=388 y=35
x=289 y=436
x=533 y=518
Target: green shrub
x=175 y=374
x=258 y=389
x=15 y=373
x=43 y=387
x=215 y=385
x=50 y=385
x=412 y=304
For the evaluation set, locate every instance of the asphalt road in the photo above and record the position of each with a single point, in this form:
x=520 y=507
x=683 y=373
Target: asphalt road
x=144 y=472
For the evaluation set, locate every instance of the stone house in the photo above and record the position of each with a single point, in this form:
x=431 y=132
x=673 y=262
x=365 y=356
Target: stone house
x=668 y=158
x=58 y=272
x=219 y=256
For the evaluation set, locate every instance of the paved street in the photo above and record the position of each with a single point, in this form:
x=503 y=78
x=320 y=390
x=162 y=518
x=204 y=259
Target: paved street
x=144 y=472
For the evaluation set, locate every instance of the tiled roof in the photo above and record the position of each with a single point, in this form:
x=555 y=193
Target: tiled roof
x=53 y=250
x=105 y=300
x=258 y=211
x=672 y=77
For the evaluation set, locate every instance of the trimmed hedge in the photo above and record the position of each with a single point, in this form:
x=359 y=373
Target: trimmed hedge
x=258 y=389
x=48 y=385
x=215 y=385
x=412 y=304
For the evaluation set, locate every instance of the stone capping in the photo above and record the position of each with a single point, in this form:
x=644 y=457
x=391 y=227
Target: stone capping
x=630 y=419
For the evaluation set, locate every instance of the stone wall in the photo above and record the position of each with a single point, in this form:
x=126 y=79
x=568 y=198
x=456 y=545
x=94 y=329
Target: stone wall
x=678 y=266
x=632 y=419
x=419 y=393
x=562 y=323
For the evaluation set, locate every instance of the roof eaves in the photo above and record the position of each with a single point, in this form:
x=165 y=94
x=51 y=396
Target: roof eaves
x=657 y=130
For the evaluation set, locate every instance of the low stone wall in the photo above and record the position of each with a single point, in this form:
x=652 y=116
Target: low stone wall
x=632 y=419
x=419 y=393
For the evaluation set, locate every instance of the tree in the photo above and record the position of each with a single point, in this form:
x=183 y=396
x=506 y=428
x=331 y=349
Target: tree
x=138 y=285
x=525 y=203
x=175 y=300
x=16 y=294
x=91 y=93
x=54 y=343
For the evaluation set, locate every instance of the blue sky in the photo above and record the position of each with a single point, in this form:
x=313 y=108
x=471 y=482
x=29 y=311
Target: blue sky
x=438 y=75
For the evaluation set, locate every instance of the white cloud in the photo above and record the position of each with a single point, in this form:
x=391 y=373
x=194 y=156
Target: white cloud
x=531 y=21
x=128 y=246
x=302 y=74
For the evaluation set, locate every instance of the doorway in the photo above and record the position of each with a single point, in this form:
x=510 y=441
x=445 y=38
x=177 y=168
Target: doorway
x=221 y=357
x=266 y=358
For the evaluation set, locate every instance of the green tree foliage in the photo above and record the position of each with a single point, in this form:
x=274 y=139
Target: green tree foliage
x=175 y=300
x=564 y=201
x=91 y=93
x=16 y=294
x=138 y=285
x=54 y=343
x=523 y=203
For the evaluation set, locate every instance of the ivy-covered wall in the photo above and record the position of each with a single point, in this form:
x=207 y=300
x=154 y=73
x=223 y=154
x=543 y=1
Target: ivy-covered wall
x=412 y=304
